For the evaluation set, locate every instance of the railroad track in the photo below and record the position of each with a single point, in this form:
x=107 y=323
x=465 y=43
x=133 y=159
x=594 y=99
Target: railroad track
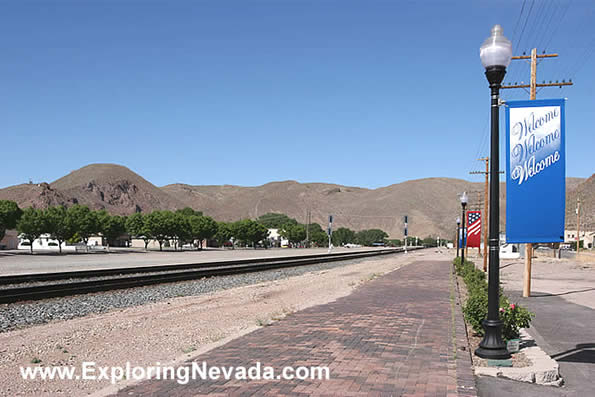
x=137 y=276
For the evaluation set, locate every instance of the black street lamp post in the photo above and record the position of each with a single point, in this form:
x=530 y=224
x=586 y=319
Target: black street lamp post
x=464 y=199
x=458 y=234
x=495 y=53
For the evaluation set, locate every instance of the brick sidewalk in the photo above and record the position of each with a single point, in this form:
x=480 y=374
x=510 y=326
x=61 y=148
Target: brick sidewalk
x=393 y=336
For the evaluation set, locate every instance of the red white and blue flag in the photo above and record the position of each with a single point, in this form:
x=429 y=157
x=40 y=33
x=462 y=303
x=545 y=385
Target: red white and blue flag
x=473 y=228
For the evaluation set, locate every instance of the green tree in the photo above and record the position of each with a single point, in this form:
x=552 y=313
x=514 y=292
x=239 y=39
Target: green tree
x=223 y=234
x=135 y=226
x=395 y=242
x=202 y=228
x=58 y=224
x=187 y=211
x=257 y=232
x=411 y=241
x=249 y=231
x=275 y=220
x=343 y=236
x=161 y=226
x=9 y=216
x=83 y=221
x=317 y=235
x=294 y=233
x=182 y=230
x=370 y=236
x=111 y=226
x=32 y=225
x=429 y=242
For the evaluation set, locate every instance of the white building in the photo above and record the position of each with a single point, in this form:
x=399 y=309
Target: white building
x=44 y=242
x=509 y=251
x=276 y=239
x=586 y=237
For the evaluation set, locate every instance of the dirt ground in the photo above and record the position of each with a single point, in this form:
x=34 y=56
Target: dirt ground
x=173 y=330
x=570 y=279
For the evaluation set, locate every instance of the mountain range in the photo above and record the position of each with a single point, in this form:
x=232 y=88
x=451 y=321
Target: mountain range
x=432 y=204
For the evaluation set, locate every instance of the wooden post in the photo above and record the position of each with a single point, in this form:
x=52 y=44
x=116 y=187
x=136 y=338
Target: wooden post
x=533 y=88
x=533 y=93
x=529 y=247
x=527 y=283
x=578 y=224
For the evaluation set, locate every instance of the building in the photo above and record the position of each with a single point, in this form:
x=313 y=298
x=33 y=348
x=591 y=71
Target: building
x=587 y=237
x=509 y=251
x=276 y=240
x=44 y=242
x=10 y=241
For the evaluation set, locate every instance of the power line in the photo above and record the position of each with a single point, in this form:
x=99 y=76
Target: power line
x=555 y=30
x=516 y=25
x=549 y=23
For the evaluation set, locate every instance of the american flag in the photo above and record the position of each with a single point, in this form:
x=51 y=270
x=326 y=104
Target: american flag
x=473 y=228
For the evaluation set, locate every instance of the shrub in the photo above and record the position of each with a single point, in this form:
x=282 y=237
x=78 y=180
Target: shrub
x=475 y=311
x=475 y=308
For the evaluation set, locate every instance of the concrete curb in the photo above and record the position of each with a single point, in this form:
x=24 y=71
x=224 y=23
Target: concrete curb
x=543 y=371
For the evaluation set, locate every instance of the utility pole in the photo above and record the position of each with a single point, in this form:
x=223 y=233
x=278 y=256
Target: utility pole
x=405 y=232
x=484 y=217
x=578 y=224
x=308 y=214
x=330 y=233
x=457 y=238
x=532 y=95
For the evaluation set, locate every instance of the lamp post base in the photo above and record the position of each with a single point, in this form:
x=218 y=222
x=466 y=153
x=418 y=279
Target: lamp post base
x=492 y=346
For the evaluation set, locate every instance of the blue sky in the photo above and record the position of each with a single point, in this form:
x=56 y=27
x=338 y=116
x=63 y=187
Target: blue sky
x=363 y=93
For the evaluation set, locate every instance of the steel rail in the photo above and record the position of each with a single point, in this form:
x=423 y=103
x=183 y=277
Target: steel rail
x=76 y=274
x=46 y=291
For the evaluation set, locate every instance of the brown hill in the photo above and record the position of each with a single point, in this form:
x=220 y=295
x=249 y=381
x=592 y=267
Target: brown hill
x=114 y=188
x=585 y=190
x=35 y=195
x=100 y=186
x=432 y=204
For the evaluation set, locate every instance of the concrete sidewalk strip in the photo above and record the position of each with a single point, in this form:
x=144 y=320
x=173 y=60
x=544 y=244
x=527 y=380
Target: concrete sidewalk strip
x=395 y=335
x=543 y=369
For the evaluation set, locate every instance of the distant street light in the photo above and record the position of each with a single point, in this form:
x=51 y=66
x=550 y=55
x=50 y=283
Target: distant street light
x=458 y=234
x=464 y=200
x=495 y=54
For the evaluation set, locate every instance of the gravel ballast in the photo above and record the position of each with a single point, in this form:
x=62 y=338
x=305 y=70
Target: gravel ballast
x=19 y=315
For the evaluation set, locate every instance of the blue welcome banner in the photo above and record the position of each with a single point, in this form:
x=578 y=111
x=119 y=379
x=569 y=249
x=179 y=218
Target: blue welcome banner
x=462 y=237
x=535 y=171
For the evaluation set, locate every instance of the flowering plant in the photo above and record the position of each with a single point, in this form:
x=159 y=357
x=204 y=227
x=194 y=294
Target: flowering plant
x=514 y=317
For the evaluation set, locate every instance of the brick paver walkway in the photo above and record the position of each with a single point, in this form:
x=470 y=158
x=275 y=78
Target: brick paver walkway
x=393 y=336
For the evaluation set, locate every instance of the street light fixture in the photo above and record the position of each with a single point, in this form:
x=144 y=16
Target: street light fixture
x=464 y=200
x=495 y=54
x=458 y=234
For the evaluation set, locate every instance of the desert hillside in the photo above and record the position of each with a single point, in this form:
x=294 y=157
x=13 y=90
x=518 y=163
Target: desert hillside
x=432 y=204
